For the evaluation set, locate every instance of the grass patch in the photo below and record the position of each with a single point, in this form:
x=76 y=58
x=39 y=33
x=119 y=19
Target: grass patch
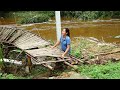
x=83 y=47
x=108 y=71
x=10 y=76
x=77 y=48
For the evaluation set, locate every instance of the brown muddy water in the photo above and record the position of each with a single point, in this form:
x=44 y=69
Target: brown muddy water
x=104 y=30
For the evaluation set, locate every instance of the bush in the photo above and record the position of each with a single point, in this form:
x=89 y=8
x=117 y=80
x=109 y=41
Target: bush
x=24 y=17
x=34 y=19
x=91 y=15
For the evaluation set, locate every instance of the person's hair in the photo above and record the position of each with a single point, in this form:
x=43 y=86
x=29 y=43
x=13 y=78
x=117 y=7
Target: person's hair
x=67 y=31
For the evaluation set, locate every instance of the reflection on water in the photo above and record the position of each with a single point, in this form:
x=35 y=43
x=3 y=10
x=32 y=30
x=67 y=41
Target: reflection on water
x=100 y=29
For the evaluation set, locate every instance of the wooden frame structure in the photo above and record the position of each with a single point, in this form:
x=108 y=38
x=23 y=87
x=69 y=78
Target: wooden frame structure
x=34 y=46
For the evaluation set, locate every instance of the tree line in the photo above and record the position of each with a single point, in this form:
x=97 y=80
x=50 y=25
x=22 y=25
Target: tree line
x=43 y=16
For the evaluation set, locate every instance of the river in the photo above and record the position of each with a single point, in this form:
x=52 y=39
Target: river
x=104 y=30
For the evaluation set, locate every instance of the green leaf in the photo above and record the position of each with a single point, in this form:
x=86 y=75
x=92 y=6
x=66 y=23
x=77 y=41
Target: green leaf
x=19 y=51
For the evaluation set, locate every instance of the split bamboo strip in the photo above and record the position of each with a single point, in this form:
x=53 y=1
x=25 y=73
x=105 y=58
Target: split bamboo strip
x=45 y=52
x=2 y=30
x=23 y=37
x=20 y=41
x=10 y=34
x=17 y=34
x=6 y=34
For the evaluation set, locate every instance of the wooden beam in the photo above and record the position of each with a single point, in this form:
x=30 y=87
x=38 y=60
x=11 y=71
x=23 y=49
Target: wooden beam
x=112 y=52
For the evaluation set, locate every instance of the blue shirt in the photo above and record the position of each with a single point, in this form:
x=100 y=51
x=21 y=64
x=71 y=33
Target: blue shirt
x=64 y=42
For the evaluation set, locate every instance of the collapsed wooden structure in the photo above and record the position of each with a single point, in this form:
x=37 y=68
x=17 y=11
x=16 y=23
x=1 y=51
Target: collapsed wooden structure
x=34 y=46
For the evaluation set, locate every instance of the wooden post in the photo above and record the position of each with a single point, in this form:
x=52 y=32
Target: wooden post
x=58 y=24
x=29 y=64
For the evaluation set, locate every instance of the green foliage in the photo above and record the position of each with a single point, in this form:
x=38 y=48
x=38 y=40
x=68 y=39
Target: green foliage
x=52 y=42
x=1 y=56
x=17 y=50
x=1 y=52
x=9 y=76
x=88 y=15
x=38 y=70
x=34 y=19
x=91 y=15
x=25 y=17
x=43 y=16
x=91 y=55
x=109 y=71
x=77 y=51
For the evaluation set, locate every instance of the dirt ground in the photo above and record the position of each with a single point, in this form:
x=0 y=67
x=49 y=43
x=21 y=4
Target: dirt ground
x=70 y=75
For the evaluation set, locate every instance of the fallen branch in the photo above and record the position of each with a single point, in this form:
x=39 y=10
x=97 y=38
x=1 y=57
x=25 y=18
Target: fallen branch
x=50 y=67
x=76 y=59
x=107 y=53
x=71 y=65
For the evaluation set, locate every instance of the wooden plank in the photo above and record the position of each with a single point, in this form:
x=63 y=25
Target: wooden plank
x=45 y=52
x=43 y=62
x=50 y=61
